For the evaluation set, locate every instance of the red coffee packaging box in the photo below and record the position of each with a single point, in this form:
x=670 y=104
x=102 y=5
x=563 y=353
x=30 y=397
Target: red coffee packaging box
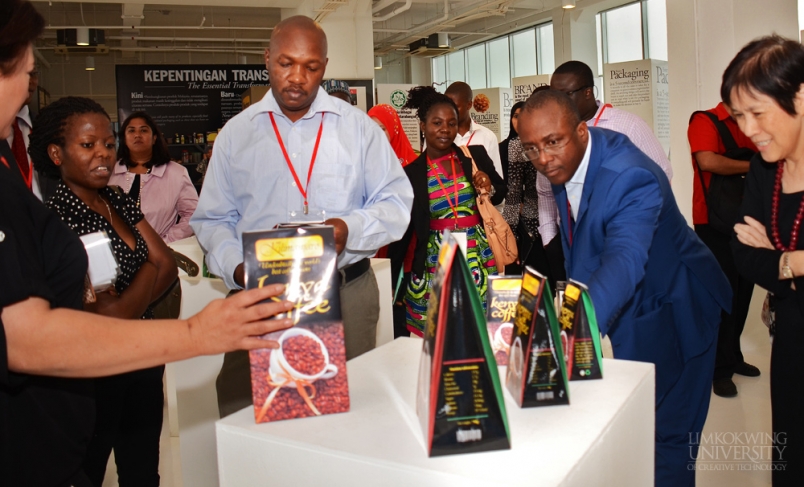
x=536 y=374
x=501 y=297
x=580 y=334
x=459 y=401
x=306 y=375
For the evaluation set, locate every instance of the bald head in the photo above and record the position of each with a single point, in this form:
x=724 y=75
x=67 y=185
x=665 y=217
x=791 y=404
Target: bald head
x=299 y=25
x=296 y=62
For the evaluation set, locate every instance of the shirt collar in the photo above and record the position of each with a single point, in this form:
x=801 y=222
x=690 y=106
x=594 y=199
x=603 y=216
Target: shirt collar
x=25 y=115
x=580 y=174
x=322 y=103
x=603 y=116
x=157 y=171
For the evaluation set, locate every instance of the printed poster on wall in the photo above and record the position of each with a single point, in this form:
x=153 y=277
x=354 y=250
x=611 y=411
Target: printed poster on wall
x=183 y=99
x=396 y=95
x=642 y=88
x=523 y=86
x=491 y=108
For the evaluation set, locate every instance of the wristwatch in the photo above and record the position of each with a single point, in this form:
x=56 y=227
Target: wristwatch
x=787 y=272
x=492 y=191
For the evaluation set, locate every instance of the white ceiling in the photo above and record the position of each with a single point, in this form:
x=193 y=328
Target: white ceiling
x=205 y=24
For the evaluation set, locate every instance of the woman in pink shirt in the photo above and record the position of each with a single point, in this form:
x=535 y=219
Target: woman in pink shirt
x=162 y=188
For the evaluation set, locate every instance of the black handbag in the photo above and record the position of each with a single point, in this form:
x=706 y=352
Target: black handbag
x=725 y=194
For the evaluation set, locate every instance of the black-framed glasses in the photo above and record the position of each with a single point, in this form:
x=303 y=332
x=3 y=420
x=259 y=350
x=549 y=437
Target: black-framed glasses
x=570 y=93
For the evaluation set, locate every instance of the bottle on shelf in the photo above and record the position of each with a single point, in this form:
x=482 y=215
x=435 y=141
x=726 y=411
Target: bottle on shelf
x=182 y=138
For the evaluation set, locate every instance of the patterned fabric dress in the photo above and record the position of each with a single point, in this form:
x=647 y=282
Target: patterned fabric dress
x=479 y=257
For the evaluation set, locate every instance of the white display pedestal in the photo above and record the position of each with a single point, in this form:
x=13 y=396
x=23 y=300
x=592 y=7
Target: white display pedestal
x=605 y=437
x=191 y=397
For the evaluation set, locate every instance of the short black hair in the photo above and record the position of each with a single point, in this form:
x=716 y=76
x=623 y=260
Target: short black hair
x=579 y=69
x=20 y=25
x=512 y=131
x=461 y=89
x=540 y=98
x=423 y=98
x=771 y=65
x=161 y=154
x=48 y=128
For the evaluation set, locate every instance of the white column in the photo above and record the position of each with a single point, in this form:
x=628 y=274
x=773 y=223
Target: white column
x=575 y=36
x=702 y=37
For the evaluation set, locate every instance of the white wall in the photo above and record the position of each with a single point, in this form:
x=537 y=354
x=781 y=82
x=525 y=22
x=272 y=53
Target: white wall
x=703 y=37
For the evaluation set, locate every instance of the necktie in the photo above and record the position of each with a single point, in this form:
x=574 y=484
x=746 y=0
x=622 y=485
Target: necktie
x=571 y=221
x=21 y=154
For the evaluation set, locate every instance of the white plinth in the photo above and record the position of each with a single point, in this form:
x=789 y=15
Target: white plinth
x=605 y=437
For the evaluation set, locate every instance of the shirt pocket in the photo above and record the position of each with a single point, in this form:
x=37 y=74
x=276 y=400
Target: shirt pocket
x=338 y=189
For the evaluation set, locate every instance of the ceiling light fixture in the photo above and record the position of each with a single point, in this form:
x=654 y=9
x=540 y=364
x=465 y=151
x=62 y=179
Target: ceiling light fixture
x=443 y=39
x=82 y=36
x=568 y=4
x=90 y=63
x=377 y=62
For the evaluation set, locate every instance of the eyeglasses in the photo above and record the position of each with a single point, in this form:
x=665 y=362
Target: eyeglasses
x=552 y=148
x=570 y=93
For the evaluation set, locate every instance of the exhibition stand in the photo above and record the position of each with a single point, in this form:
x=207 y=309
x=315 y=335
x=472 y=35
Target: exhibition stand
x=604 y=437
x=190 y=393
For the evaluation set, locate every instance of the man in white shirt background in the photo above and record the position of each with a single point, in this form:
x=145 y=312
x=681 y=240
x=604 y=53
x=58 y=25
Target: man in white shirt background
x=470 y=132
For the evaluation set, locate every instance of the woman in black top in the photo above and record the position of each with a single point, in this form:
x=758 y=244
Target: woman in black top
x=72 y=137
x=45 y=418
x=504 y=156
x=444 y=197
x=764 y=88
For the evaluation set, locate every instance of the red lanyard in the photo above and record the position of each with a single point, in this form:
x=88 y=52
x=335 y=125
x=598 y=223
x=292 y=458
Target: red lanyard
x=28 y=179
x=4 y=161
x=597 y=119
x=303 y=191
x=470 y=139
x=454 y=208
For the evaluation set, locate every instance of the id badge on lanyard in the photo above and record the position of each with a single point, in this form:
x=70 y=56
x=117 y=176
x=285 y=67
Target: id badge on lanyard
x=313 y=215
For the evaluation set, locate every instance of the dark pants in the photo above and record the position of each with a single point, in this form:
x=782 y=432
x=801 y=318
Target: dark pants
x=680 y=418
x=729 y=355
x=360 y=310
x=129 y=420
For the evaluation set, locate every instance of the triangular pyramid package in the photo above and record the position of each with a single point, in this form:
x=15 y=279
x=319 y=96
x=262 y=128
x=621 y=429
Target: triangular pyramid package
x=536 y=374
x=502 y=296
x=306 y=375
x=459 y=400
x=580 y=334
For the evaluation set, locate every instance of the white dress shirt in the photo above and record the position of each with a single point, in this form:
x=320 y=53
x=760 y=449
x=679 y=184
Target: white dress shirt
x=248 y=185
x=574 y=186
x=480 y=135
x=24 y=121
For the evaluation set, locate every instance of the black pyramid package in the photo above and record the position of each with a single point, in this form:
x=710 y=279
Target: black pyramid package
x=502 y=296
x=580 y=334
x=306 y=375
x=536 y=374
x=459 y=398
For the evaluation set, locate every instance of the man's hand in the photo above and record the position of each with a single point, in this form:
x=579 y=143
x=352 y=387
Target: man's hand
x=236 y=323
x=341 y=233
x=753 y=234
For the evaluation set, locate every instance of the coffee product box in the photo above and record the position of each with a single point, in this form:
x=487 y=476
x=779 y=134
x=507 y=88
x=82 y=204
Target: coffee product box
x=502 y=297
x=536 y=373
x=580 y=334
x=306 y=375
x=459 y=399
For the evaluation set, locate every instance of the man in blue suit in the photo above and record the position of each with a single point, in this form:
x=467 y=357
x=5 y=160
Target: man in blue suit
x=657 y=290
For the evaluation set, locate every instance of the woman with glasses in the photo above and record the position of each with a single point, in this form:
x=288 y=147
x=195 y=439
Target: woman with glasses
x=444 y=198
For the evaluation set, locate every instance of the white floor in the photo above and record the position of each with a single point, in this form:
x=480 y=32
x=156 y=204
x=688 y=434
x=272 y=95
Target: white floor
x=734 y=443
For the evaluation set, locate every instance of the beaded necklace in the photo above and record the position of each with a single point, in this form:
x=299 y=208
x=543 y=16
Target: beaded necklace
x=777 y=191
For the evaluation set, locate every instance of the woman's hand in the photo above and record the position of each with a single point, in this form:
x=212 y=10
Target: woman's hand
x=481 y=182
x=753 y=234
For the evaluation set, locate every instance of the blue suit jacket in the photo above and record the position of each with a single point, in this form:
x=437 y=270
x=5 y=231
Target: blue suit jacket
x=656 y=288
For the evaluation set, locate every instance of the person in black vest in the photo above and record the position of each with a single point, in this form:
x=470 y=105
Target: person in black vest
x=715 y=163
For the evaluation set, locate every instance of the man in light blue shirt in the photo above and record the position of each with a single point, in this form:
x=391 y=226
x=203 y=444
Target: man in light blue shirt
x=265 y=170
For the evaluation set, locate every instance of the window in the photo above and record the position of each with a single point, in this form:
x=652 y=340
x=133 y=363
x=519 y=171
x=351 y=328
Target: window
x=499 y=63
x=547 y=53
x=523 y=60
x=493 y=63
x=634 y=31
x=456 y=67
x=476 y=66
